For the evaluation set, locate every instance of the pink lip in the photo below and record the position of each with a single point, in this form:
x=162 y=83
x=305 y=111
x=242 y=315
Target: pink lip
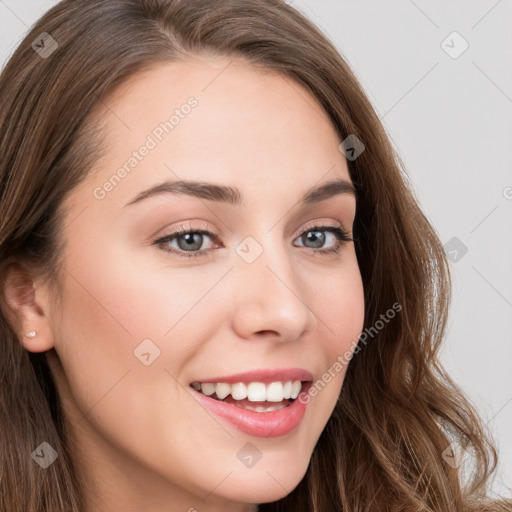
x=264 y=424
x=265 y=376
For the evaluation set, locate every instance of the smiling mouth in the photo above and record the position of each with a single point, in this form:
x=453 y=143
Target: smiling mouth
x=253 y=396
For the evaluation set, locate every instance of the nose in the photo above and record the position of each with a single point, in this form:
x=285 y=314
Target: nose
x=270 y=301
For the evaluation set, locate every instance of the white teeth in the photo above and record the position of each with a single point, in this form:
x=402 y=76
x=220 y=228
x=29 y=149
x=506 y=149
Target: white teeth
x=239 y=391
x=296 y=389
x=287 y=389
x=275 y=392
x=256 y=392
x=223 y=390
x=253 y=391
x=208 y=389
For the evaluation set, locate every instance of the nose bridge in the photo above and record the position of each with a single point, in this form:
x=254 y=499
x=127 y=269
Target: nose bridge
x=269 y=295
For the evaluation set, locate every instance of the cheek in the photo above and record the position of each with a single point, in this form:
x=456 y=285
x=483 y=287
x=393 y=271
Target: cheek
x=117 y=310
x=107 y=312
x=340 y=307
x=127 y=295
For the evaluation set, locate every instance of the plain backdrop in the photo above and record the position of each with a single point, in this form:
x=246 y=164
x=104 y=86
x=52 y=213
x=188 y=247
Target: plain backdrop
x=438 y=74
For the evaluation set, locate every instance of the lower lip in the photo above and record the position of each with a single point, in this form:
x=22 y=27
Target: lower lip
x=258 y=424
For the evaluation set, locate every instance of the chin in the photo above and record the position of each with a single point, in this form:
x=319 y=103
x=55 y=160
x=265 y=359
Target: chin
x=264 y=485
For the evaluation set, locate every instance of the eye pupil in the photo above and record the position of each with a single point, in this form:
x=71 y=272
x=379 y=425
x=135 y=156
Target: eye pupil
x=190 y=244
x=317 y=237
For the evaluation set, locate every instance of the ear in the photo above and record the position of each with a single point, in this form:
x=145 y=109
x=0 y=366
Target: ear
x=28 y=308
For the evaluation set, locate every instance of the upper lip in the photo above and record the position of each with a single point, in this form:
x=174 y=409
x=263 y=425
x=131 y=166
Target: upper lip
x=263 y=375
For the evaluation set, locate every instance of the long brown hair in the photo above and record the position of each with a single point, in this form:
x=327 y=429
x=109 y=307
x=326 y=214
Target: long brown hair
x=398 y=410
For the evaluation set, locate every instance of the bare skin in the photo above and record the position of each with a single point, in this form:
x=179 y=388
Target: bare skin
x=142 y=439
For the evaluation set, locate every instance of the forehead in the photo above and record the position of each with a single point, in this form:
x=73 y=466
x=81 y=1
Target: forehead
x=216 y=119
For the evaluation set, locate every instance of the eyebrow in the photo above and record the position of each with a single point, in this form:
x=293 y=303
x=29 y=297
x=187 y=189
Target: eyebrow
x=232 y=195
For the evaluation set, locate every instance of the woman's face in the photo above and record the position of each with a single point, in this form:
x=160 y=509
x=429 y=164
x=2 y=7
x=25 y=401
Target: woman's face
x=248 y=290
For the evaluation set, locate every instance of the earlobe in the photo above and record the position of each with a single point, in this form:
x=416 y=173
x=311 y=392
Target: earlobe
x=27 y=312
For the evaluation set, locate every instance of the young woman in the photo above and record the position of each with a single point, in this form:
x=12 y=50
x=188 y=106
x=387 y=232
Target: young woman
x=218 y=292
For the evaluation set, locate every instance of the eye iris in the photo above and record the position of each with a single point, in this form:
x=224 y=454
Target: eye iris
x=190 y=243
x=317 y=237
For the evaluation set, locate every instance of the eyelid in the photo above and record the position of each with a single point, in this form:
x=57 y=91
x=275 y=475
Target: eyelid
x=322 y=224
x=187 y=227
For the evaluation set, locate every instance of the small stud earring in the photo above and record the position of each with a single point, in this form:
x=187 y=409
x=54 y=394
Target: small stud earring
x=30 y=334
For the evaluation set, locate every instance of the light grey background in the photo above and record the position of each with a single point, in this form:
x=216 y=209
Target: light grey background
x=451 y=122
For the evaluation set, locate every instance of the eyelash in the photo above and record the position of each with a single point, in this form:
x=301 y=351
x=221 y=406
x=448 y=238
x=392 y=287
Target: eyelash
x=338 y=231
